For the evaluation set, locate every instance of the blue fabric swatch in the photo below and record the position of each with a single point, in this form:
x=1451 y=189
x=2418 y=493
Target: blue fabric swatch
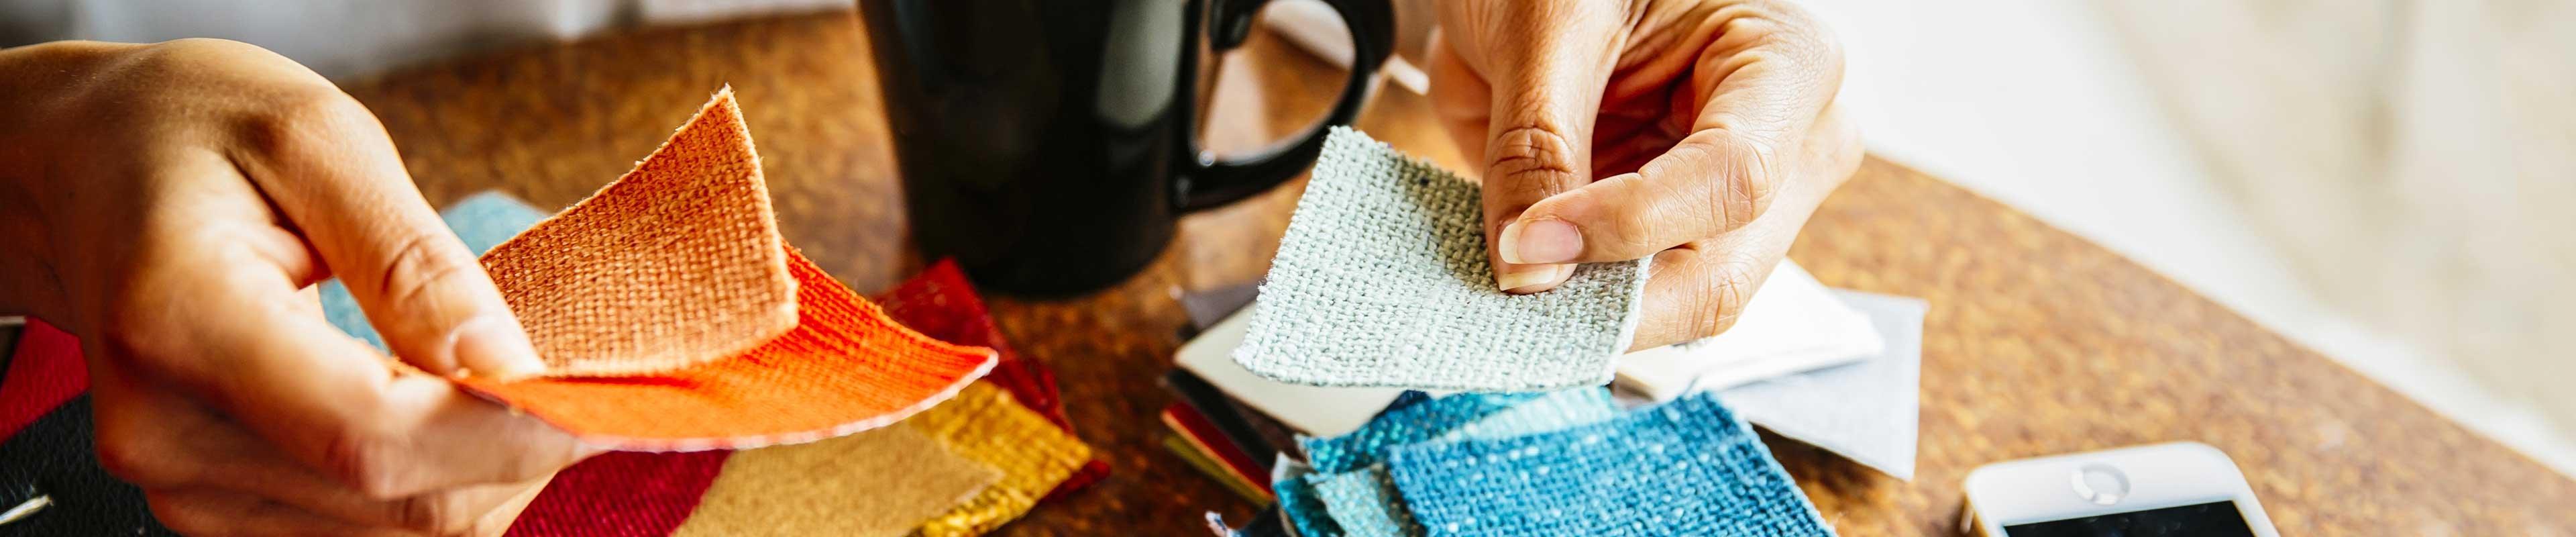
x=483 y=220
x=1689 y=467
x=1304 y=507
x=1365 y=502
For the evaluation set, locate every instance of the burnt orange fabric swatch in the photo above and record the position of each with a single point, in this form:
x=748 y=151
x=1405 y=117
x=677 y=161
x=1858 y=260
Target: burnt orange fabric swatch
x=678 y=262
x=714 y=374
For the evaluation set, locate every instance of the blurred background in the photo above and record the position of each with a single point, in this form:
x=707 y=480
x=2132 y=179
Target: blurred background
x=2390 y=182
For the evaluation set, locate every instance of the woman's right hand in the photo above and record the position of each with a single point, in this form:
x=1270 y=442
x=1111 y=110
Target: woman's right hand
x=174 y=205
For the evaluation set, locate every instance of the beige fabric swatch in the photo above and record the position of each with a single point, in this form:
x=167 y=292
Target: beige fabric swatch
x=882 y=482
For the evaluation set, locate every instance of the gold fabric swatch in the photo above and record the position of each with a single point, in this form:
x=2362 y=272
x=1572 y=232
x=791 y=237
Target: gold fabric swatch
x=985 y=425
x=879 y=483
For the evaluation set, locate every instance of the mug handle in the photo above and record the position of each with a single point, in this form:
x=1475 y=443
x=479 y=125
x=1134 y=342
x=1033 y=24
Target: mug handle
x=1205 y=181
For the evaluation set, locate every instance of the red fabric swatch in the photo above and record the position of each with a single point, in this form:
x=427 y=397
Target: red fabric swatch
x=940 y=303
x=621 y=494
x=44 y=371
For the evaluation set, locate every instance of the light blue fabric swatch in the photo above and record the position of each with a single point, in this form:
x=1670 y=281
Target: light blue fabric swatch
x=1382 y=280
x=1689 y=467
x=483 y=220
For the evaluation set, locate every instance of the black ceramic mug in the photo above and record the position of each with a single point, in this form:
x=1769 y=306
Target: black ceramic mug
x=1049 y=145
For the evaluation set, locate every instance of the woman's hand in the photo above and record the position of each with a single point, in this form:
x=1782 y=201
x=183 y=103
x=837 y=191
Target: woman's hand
x=1698 y=132
x=173 y=205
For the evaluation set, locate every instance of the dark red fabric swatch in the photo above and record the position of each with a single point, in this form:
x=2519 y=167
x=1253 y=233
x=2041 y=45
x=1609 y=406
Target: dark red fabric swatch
x=940 y=303
x=44 y=371
x=621 y=494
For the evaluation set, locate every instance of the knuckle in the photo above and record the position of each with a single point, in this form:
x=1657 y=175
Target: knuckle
x=298 y=119
x=182 y=516
x=418 y=265
x=1726 y=287
x=431 y=514
x=366 y=460
x=130 y=455
x=1536 y=158
x=1743 y=189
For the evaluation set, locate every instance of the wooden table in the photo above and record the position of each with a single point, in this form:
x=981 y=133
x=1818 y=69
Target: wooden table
x=2037 y=341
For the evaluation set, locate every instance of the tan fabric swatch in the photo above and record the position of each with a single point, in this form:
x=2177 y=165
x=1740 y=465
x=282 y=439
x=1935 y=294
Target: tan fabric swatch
x=985 y=425
x=883 y=482
x=675 y=263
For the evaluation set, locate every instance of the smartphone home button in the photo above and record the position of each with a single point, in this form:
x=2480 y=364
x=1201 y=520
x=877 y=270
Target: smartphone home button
x=2101 y=484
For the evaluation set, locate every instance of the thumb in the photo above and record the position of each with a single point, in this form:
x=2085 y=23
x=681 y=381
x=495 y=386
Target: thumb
x=327 y=164
x=1546 y=66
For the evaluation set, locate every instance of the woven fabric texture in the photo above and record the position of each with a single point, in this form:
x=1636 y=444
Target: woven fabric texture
x=985 y=425
x=1382 y=280
x=1364 y=501
x=880 y=483
x=671 y=275
x=53 y=457
x=44 y=371
x=940 y=303
x=1299 y=500
x=846 y=368
x=1417 y=422
x=676 y=263
x=621 y=494
x=1688 y=467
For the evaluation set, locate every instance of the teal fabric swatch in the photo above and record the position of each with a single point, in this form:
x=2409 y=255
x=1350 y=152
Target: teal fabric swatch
x=1689 y=467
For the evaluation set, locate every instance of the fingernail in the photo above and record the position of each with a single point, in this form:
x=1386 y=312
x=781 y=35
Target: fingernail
x=1527 y=278
x=1540 y=241
x=493 y=347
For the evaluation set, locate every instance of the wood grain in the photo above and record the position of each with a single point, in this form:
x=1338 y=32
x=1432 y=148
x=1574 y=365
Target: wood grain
x=2037 y=341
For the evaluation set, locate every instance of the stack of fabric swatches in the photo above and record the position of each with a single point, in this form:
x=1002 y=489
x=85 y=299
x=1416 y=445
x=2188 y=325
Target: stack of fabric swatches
x=1381 y=284
x=891 y=425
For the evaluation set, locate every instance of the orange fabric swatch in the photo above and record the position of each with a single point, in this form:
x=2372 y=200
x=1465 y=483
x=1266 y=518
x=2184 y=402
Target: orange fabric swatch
x=686 y=315
x=675 y=263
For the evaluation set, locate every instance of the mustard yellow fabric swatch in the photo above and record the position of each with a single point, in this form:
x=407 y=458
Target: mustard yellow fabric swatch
x=983 y=424
x=879 y=483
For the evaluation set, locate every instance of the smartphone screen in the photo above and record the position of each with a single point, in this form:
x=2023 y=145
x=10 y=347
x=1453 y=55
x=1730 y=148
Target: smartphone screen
x=2213 y=519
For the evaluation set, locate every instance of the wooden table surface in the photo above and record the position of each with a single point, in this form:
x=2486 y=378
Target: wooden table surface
x=2037 y=342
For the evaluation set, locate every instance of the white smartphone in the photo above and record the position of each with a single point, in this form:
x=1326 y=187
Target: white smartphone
x=2176 y=489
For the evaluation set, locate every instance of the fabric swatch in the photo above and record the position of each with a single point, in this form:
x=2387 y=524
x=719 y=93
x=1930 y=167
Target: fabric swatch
x=1299 y=500
x=52 y=457
x=676 y=263
x=1382 y=280
x=1688 y=467
x=940 y=303
x=688 y=235
x=882 y=482
x=621 y=494
x=1199 y=460
x=45 y=370
x=1867 y=412
x=983 y=424
x=846 y=368
x=1364 y=501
